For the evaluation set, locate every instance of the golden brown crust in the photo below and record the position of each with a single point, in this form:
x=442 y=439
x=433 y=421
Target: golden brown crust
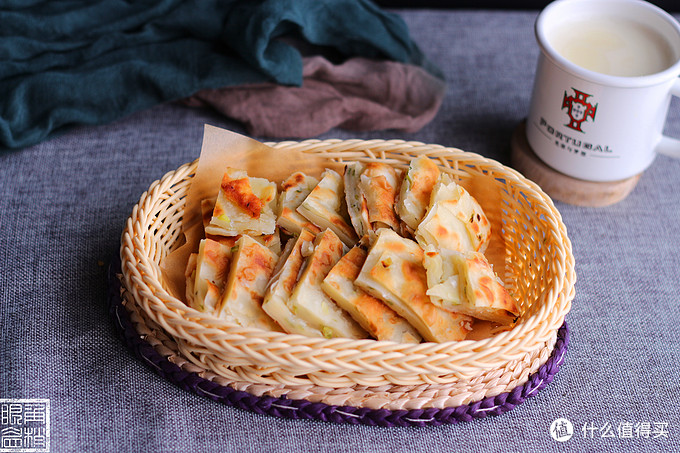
x=357 y=207
x=487 y=290
x=211 y=272
x=308 y=299
x=295 y=180
x=214 y=255
x=414 y=194
x=466 y=283
x=251 y=269
x=380 y=185
x=326 y=253
x=282 y=283
x=239 y=192
x=305 y=224
x=371 y=313
x=394 y=285
x=410 y=284
x=454 y=220
x=325 y=207
x=423 y=181
x=298 y=261
x=394 y=273
x=244 y=205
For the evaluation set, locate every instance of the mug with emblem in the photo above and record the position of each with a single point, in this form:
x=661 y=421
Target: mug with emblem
x=606 y=73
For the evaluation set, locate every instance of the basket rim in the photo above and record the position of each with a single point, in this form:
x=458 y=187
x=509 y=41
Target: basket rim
x=173 y=307
x=141 y=339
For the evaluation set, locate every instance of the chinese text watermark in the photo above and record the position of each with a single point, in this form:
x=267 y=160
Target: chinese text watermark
x=562 y=430
x=24 y=425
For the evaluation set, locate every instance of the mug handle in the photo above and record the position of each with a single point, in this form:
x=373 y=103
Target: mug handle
x=667 y=145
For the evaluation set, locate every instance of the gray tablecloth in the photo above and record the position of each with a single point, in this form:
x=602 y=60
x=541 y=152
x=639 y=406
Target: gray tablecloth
x=63 y=204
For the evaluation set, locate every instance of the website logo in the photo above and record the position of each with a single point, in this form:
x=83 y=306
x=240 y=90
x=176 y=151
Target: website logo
x=561 y=430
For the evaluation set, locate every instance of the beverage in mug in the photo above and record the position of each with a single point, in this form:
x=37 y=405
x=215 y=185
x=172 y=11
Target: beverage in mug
x=604 y=80
x=613 y=46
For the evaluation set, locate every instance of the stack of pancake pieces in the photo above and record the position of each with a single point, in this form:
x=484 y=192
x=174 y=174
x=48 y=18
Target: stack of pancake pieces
x=373 y=253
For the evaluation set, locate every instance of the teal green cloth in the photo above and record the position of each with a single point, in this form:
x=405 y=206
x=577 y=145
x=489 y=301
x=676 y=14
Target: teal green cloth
x=90 y=62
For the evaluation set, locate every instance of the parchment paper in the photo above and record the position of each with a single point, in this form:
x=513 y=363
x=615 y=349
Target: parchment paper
x=221 y=149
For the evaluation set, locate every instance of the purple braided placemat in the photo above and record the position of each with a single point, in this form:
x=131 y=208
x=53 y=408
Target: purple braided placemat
x=302 y=409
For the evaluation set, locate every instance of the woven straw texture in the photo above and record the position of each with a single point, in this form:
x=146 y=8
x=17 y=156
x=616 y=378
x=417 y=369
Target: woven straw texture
x=422 y=405
x=539 y=273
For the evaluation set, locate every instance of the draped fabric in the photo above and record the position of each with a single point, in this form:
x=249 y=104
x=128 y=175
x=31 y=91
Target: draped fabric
x=91 y=62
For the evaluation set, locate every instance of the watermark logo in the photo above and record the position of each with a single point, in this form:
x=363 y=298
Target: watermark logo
x=24 y=425
x=578 y=109
x=626 y=430
x=561 y=430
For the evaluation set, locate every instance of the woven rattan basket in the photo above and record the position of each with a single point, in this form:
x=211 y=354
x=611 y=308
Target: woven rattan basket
x=539 y=273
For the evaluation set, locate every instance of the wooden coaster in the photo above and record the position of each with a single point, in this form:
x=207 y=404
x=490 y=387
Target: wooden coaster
x=560 y=186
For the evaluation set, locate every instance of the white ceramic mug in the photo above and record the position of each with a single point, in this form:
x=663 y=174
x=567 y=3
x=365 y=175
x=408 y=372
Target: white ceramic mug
x=602 y=119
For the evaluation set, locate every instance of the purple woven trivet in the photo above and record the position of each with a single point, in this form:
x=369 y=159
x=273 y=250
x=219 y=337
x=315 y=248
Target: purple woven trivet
x=302 y=409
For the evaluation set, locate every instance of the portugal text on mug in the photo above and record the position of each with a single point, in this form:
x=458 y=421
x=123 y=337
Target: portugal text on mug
x=574 y=145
